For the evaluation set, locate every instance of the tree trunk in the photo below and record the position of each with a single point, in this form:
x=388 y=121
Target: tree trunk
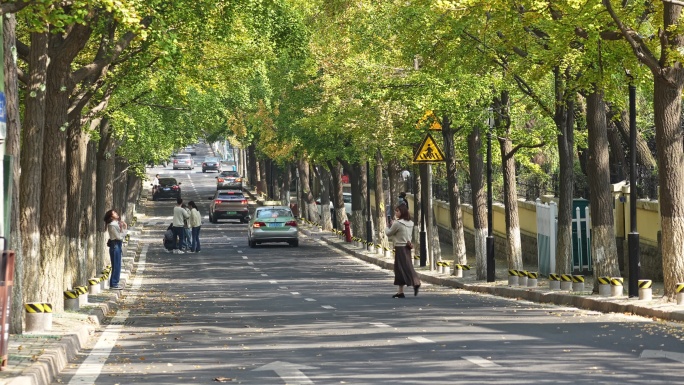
x=252 y=166
x=31 y=166
x=13 y=149
x=326 y=220
x=617 y=151
x=603 y=246
x=456 y=216
x=75 y=259
x=380 y=217
x=513 y=243
x=337 y=196
x=308 y=207
x=90 y=215
x=395 y=185
x=479 y=201
x=667 y=102
x=285 y=186
x=359 y=209
x=643 y=152
x=564 y=119
x=104 y=187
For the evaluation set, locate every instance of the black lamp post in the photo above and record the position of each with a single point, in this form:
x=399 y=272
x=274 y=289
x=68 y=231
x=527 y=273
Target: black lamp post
x=633 y=237
x=369 y=228
x=491 y=272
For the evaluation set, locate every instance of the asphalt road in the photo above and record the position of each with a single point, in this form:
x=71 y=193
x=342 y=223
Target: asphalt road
x=310 y=315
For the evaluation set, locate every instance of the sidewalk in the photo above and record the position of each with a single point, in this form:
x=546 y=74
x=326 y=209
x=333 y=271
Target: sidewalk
x=38 y=358
x=658 y=307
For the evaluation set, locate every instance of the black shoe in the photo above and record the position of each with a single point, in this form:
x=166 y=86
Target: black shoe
x=399 y=295
x=415 y=290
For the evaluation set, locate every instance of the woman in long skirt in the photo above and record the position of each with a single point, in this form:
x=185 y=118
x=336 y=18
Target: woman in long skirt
x=401 y=233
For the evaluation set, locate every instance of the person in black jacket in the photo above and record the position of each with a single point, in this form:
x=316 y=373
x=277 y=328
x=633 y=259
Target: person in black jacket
x=168 y=239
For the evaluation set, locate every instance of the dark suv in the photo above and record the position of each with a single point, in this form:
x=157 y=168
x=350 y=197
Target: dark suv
x=168 y=188
x=228 y=205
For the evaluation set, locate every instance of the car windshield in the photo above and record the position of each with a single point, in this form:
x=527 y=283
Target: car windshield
x=347 y=198
x=211 y=159
x=274 y=213
x=230 y=174
x=183 y=156
x=167 y=181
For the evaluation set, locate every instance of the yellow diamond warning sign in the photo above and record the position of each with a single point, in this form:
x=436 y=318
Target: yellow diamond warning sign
x=428 y=151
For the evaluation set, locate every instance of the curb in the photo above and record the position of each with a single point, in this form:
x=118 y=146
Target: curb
x=593 y=303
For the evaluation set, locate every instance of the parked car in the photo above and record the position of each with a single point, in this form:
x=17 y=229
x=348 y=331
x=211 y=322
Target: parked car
x=228 y=205
x=211 y=163
x=229 y=180
x=272 y=224
x=168 y=188
x=183 y=161
x=347 y=197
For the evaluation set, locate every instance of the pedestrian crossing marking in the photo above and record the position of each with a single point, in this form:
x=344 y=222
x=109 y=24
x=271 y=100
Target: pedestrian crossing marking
x=264 y=275
x=379 y=325
x=428 y=152
x=309 y=299
x=328 y=307
x=481 y=362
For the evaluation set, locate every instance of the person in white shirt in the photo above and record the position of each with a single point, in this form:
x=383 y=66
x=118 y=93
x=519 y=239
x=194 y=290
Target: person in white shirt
x=196 y=225
x=155 y=184
x=401 y=233
x=179 y=217
x=115 y=229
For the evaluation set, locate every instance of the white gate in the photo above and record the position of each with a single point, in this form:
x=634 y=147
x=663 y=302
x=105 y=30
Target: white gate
x=547 y=228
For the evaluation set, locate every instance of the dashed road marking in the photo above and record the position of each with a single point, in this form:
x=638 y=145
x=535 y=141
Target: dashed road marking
x=421 y=340
x=244 y=257
x=379 y=325
x=250 y=263
x=328 y=307
x=283 y=287
x=309 y=299
x=273 y=282
x=294 y=293
x=481 y=362
x=264 y=275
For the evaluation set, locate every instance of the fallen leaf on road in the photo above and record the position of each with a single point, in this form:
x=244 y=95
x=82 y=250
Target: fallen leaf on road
x=223 y=379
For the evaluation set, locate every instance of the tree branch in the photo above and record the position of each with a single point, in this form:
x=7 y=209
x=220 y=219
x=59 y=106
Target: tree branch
x=520 y=146
x=640 y=50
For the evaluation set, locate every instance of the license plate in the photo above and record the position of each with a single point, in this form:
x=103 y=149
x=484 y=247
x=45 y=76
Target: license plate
x=275 y=224
x=230 y=212
x=166 y=189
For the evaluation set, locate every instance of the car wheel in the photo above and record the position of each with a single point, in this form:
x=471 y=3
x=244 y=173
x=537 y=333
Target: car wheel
x=294 y=243
x=203 y=170
x=252 y=243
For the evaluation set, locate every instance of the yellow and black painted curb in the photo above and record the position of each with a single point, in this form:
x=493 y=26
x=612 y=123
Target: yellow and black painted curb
x=532 y=274
x=81 y=289
x=679 y=288
x=37 y=307
x=94 y=281
x=70 y=294
x=645 y=283
x=617 y=281
x=554 y=277
x=523 y=273
x=463 y=267
x=443 y=263
x=604 y=280
x=566 y=277
x=578 y=278
x=512 y=273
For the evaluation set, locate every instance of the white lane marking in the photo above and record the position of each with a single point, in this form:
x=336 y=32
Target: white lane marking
x=294 y=292
x=674 y=356
x=421 y=340
x=256 y=269
x=379 y=325
x=264 y=275
x=234 y=245
x=90 y=369
x=283 y=287
x=239 y=251
x=273 y=282
x=309 y=299
x=289 y=373
x=250 y=263
x=328 y=307
x=244 y=257
x=481 y=362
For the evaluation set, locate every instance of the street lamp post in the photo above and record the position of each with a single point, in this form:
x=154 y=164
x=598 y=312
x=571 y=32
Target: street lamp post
x=491 y=272
x=633 y=237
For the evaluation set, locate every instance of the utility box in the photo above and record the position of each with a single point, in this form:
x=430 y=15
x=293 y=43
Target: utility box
x=581 y=236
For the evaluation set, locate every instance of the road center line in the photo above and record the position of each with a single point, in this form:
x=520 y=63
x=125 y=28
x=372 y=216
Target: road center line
x=309 y=299
x=379 y=325
x=328 y=307
x=421 y=340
